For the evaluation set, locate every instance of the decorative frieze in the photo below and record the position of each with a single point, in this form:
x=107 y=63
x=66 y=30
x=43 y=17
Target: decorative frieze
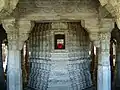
x=61 y=7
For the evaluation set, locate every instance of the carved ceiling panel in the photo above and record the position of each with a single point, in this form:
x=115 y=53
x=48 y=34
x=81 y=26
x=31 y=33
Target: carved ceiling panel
x=58 y=7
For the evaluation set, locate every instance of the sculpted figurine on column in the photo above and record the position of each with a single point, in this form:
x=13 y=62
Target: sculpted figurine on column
x=17 y=33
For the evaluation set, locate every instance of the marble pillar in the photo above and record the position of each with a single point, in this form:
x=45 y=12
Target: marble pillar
x=117 y=80
x=100 y=33
x=14 y=72
x=17 y=33
x=104 y=72
x=2 y=79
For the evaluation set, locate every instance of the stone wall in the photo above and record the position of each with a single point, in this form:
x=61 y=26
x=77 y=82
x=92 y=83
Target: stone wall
x=53 y=69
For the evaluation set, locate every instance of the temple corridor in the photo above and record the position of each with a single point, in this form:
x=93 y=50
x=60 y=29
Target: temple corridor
x=60 y=55
x=59 y=44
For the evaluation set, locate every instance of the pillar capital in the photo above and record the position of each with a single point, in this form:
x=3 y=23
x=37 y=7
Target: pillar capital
x=12 y=32
x=95 y=25
x=17 y=32
x=94 y=36
x=25 y=28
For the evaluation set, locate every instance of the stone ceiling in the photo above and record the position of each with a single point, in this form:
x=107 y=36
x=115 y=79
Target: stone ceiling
x=64 y=9
x=59 y=8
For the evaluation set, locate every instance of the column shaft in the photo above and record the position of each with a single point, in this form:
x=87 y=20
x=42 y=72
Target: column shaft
x=17 y=32
x=14 y=73
x=104 y=70
x=2 y=79
x=117 y=81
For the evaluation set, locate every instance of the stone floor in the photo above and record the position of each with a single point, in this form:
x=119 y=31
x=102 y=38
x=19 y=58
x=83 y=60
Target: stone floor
x=92 y=88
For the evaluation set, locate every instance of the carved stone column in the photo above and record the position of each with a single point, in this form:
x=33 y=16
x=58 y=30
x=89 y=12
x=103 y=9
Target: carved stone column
x=93 y=29
x=101 y=38
x=102 y=41
x=94 y=38
x=2 y=79
x=104 y=69
x=16 y=38
x=117 y=80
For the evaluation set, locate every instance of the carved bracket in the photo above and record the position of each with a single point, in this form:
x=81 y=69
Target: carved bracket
x=17 y=32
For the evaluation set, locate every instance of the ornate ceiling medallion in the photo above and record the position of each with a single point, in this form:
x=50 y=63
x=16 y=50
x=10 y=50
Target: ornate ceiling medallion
x=47 y=9
x=58 y=9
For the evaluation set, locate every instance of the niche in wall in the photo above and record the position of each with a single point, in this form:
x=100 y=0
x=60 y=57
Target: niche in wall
x=59 y=42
